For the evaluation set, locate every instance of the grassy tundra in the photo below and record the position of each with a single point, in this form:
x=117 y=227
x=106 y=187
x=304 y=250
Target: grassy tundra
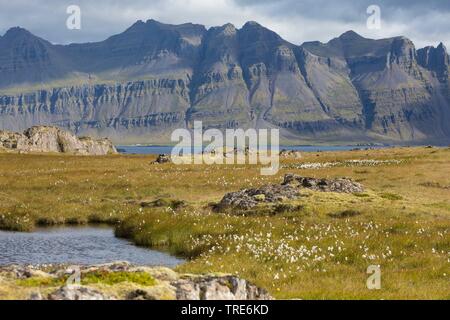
x=320 y=250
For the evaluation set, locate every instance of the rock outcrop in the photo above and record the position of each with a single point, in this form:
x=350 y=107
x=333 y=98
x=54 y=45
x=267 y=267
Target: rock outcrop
x=166 y=284
x=78 y=293
x=54 y=139
x=290 y=154
x=341 y=185
x=289 y=189
x=218 y=288
x=250 y=198
x=162 y=158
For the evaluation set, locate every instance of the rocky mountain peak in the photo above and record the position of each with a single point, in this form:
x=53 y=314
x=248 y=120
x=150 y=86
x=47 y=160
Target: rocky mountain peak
x=254 y=32
x=443 y=54
x=220 y=45
x=350 y=36
x=228 y=29
x=138 y=26
x=402 y=51
x=27 y=58
x=441 y=46
x=402 y=45
x=252 y=24
x=435 y=60
x=152 y=26
x=15 y=32
x=20 y=36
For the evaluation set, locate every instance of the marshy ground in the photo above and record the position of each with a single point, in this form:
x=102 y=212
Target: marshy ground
x=321 y=249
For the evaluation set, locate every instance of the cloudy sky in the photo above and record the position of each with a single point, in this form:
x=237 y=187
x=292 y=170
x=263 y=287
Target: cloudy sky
x=425 y=22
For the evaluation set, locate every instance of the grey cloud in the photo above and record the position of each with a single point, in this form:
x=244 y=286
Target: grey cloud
x=425 y=22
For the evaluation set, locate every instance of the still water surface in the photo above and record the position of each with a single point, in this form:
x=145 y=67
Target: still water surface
x=168 y=149
x=77 y=245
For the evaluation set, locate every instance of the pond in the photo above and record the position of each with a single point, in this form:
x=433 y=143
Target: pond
x=76 y=245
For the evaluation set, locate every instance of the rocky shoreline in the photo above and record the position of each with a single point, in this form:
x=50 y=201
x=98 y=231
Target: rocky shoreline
x=122 y=281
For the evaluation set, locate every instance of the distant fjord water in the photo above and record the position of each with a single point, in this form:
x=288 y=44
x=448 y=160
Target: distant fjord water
x=156 y=150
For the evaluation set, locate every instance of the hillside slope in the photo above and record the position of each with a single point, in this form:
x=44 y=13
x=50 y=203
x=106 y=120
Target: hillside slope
x=137 y=86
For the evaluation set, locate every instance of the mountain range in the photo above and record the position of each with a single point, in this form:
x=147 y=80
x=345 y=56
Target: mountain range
x=138 y=86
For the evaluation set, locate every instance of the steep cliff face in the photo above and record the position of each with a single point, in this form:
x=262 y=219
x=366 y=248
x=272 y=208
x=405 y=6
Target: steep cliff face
x=278 y=90
x=435 y=60
x=220 y=97
x=121 y=111
x=251 y=78
x=138 y=86
x=401 y=97
x=329 y=79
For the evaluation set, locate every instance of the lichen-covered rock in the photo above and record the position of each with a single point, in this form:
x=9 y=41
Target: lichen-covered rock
x=218 y=288
x=167 y=284
x=163 y=291
x=12 y=140
x=24 y=272
x=342 y=185
x=36 y=296
x=78 y=293
x=98 y=147
x=274 y=194
x=249 y=198
x=54 y=139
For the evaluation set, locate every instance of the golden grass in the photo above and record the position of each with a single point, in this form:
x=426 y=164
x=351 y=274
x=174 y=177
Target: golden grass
x=319 y=251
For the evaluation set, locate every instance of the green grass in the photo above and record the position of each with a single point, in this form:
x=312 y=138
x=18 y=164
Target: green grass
x=398 y=222
x=97 y=277
x=391 y=196
x=41 y=282
x=112 y=278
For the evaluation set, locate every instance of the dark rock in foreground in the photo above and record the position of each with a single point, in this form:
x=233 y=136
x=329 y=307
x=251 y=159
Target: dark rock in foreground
x=342 y=185
x=163 y=158
x=290 y=189
x=249 y=198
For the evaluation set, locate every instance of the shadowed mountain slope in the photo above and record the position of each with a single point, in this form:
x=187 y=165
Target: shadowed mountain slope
x=139 y=85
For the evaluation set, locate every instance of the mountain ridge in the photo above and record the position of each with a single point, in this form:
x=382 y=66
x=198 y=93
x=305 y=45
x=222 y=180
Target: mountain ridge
x=137 y=86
